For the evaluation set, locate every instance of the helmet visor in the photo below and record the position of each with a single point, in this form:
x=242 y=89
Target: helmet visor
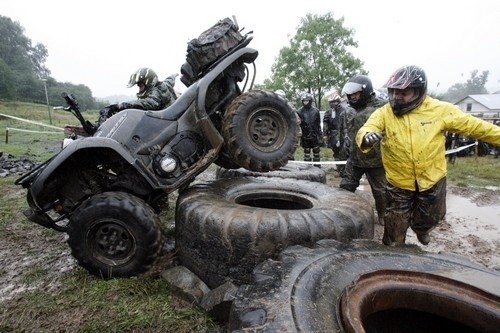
x=132 y=81
x=351 y=88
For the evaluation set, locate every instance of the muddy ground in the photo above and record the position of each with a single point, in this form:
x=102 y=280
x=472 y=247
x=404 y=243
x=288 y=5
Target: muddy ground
x=471 y=228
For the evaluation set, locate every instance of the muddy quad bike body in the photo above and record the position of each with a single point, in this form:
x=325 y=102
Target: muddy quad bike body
x=124 y=172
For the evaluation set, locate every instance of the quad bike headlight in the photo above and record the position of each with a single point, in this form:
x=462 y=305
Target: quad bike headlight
x=168 y=164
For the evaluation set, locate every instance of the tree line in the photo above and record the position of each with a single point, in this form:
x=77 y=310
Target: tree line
x=317 y=60
x=23 y=74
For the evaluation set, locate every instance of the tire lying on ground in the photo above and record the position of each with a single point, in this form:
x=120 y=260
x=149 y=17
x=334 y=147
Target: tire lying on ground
x=367 y=287
x=226 y=227
x=291 y=170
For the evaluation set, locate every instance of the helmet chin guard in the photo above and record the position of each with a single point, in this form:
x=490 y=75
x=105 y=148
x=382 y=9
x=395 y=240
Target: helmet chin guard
x=359 y=83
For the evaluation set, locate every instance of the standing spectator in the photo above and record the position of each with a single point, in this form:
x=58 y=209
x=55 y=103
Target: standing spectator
x=330 y=124
x=411 y=129
x=343 y=117
x=310 y=124
x=362 y=99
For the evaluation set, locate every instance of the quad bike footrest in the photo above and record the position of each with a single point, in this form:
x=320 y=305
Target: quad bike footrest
x=42 y=219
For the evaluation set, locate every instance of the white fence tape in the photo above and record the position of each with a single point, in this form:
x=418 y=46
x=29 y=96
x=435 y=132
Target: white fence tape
x=451 y=151
x=31 y=122
x=30 y=131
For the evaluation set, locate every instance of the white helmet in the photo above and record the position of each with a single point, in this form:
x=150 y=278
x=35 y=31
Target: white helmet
x=334 y=98
x=280 y=92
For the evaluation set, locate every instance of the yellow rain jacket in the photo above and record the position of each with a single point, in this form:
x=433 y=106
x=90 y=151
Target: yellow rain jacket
x=413 y=146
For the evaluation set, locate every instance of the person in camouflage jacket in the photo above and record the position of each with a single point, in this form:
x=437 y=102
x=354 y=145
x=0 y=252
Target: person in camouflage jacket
x=344 y=122
x=359 y=91
x=152 y=95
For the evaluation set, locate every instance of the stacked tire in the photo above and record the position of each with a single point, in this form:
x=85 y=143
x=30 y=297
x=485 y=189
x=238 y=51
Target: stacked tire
x=226 y=227
x=291 y=171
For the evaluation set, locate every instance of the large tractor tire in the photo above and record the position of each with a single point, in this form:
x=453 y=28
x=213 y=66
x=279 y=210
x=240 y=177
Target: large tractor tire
x=261 y=130
x=226 y=227
x=365 y=286
x=115 y=234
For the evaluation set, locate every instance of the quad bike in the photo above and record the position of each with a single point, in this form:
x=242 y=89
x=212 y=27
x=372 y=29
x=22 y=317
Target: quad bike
x=107 y=189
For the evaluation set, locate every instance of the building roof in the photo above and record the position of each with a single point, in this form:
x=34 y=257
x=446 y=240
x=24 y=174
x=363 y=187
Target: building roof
x=489 y=101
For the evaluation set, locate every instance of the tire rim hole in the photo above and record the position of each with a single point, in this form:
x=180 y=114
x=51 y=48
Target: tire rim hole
x=405 y=301
x=275 y=200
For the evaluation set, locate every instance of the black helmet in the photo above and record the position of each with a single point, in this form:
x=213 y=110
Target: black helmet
x=407 y=77
x=144 y=75
x=355 y=84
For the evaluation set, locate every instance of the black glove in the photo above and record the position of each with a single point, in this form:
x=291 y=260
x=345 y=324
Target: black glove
x=371 y=138
x=104 y=113
x=107 y=112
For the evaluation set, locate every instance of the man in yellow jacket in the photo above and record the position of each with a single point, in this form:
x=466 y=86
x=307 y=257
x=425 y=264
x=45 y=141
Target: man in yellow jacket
x=411 y=129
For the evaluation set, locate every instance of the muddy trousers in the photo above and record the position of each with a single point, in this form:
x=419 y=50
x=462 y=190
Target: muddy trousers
x=307 y=154
x=419 y=210
x=376 y=179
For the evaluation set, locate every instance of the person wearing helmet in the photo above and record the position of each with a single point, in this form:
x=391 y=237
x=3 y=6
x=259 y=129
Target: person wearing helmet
x=361 y=97
x=411 y=130
x=331 y=132
x=152 y=95
x=310 y=124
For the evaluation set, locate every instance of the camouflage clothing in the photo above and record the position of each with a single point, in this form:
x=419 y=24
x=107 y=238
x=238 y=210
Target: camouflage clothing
x=345 y=119
x=160 y=96
x=359 y=163
x=331 y=129
x=373 y=158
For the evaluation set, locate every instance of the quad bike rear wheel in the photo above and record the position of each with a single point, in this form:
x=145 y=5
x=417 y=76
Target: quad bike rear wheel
x=115 y=234
x=261 y=130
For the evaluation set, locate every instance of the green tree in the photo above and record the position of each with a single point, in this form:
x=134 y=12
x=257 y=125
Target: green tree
x=474 y=86
x=22 y=64
x=317 y=60
x=6 y=77
x=22 y=69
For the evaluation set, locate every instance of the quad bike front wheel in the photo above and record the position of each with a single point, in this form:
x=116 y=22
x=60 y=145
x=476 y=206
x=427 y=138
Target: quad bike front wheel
x=261 y=130
x=115 y=234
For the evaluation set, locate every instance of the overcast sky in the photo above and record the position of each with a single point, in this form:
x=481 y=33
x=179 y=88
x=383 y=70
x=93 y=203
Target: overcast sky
x=100 y=43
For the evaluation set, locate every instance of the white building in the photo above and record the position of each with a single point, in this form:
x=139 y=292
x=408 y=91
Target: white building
x=483 y=106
